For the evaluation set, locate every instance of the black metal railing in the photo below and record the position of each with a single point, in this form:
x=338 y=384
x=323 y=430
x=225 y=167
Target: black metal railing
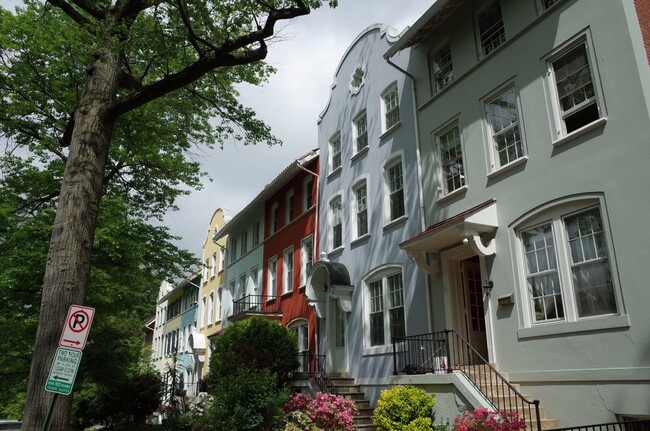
x=639 y=425
x=447 y=351
x=312 y=366
x=250 y=303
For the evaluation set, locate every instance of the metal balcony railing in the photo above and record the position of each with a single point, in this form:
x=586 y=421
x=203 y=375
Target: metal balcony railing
x=250 y=303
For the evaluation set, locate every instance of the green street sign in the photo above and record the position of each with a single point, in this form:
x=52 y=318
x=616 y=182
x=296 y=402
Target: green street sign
x=63 y=371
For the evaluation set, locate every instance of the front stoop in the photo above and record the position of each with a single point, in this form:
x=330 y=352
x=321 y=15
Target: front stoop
x=347 y=388
x=496 y=391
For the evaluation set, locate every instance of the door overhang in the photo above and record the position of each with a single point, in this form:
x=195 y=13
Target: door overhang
x=466 y=227
x=329 y=280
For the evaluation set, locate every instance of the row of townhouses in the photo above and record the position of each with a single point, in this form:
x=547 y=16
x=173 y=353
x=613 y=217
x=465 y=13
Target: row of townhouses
x=473 y=204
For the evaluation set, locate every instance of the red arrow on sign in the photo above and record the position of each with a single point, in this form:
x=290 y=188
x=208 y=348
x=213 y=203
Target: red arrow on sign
x=76 y=327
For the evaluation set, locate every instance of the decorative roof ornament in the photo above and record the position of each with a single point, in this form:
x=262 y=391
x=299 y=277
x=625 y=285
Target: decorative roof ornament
x=357 y=80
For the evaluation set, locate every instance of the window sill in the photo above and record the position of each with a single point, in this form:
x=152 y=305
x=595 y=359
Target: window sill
x=362 y=238
x=337 y=250
x=510 y=166
x=334 y=173
x=459 y=191
x=286 y=294
x=581 y=131
x=359 y=153
x=389 y=131
x=585 y=325
x=378 y=350
x=395 y=222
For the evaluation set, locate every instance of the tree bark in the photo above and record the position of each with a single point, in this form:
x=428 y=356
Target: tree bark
x=67 y=271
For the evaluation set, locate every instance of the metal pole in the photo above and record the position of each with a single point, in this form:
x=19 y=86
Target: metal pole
x=50 y=413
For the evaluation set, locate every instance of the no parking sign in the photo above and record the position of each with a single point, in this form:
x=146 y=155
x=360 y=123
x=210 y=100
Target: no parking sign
x=76 y=327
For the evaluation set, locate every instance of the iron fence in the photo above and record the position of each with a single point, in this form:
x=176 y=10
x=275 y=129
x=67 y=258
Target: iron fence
x=446 y=352
x=250 y=303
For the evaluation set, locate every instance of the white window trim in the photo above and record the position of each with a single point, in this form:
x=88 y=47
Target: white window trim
x=304 y=258
x=305 y=192
x=481 y=48
x=290 y=205
x=272 y=291
x=355 y=133
x=213 y=265
x=287 y=281
x=555 y=212
x=494 y=168
x=443 y=193
x=274 y=222
x=380 y=273
x=336 y=138
x=384 y=125
x=219 y=305
x=202 y=311
x=363 y=180
x=211 y=308
x=330 y=218
x=433 y=53
x=540 y=6
x=397 y=157
x=560 y=136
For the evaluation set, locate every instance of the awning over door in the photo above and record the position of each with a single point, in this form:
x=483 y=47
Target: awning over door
x=465 y=227
x=329 y=279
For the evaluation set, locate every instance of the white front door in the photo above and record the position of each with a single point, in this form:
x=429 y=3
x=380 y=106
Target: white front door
x=336 y=337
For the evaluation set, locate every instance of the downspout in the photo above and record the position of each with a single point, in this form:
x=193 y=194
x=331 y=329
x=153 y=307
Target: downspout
x=316 y=243
x=419 y=174
x=316 y=226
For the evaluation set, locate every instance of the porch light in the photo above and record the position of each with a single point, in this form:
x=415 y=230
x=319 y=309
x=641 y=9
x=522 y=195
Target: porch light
x=325 y=287
x=487 y=286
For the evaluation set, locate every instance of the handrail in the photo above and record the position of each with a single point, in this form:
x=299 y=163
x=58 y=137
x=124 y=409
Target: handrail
x=314 y=366
x=250 y=303
x=420 y=354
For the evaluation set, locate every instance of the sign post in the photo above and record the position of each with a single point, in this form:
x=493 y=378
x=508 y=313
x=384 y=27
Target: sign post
x=68 y=355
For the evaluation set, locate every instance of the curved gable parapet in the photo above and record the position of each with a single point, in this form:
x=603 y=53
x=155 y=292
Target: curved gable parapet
x=391 y=35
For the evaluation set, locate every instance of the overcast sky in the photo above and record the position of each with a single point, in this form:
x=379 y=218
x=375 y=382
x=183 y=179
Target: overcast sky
x=306 y=59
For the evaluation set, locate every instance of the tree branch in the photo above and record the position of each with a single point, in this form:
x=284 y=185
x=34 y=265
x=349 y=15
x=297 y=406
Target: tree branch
x=227 y=55
x=113 y=172
x=91 y=8
x=72 y=13
x=37 y=202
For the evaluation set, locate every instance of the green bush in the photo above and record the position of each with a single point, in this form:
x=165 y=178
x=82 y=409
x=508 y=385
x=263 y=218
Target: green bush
x=254 y=344
x=245 y=401
x=404 y=408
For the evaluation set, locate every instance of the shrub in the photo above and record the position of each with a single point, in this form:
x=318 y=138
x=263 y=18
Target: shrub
x=247 y=400
x=404 y=408
x=327 y=412
x=487 y=420
x=255 y=344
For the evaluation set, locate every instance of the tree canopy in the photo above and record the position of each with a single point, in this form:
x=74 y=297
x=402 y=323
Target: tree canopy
x=105 y=101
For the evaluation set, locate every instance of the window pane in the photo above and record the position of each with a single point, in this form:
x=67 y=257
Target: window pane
x=575 y=89
x=593 y=289
x=591 y=274
x=391 y=108
x=360 y=125
x=377 y=329
x=491 y=30
x=543 y=279
x=395 y=183
x=397 y=327
x=452 y=160
x=504 y=119
x=442 y=69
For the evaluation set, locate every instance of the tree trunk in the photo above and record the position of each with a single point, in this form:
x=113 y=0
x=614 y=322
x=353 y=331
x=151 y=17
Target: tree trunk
x=67 y=271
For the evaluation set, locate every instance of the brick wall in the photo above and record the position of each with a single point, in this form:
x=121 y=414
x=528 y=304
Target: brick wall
x=643 y=12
